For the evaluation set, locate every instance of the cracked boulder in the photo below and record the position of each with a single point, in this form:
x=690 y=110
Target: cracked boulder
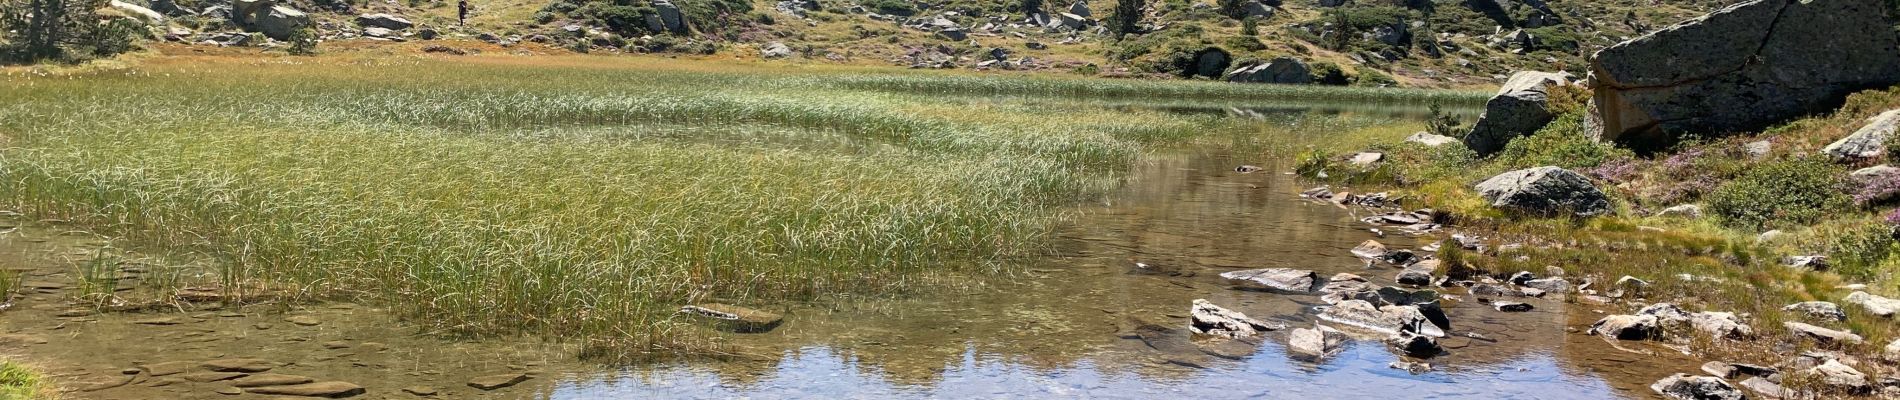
x=1741 y=69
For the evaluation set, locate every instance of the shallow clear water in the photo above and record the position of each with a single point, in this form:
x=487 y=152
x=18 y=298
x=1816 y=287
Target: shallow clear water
x=1064 y=326
x=1061 y=330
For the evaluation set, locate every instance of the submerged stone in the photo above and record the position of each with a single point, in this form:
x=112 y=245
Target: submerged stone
x=735 y=318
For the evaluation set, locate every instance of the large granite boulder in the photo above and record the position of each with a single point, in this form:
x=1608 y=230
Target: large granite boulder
x=1741 y=69
x=1287 y=70
x=1520 y=108
x=280 y=21
x=1868 y=142
x=1544 y=191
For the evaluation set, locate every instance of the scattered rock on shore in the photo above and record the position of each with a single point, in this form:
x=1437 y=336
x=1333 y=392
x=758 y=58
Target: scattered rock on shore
x=1627 y=327
x=1279 y=279
x=1209 y=319
x=1316 y=342
x=1687 y=387
x=1821 y=335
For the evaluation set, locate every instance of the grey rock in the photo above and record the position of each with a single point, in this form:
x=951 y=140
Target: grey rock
x=1371 y=250
x=1387 y=320
x=1507 y=306
x=1822 y=335
x=1627 y=327
x=1080 y=8
x=1688 y=211
x=1817 y=310
x=1417 y=346
x=1758 y=149
x=1402 y=297
x=1520 y=108
x=1875 y=304
x=1544 y=191
x=1767 y=388
x=1416 y=275
x=1278 y=279
x=1366 y=159
x=1283 y=70
x=1209 y=319
x=670 y=15
x=1868 y=142
x=379 y=32
x=1839 y=376
x=1727 y=370
x=143 y=13
x=735 y=318
x=385 y=21
x=280 y=21
x=1686 y=387
x=775 y=50
x=1073 y=21
x=1741 y=69
x=1316 y=342
x=953 y=34
x=1892 y=352
x=1430 y=140
x=1873 y=172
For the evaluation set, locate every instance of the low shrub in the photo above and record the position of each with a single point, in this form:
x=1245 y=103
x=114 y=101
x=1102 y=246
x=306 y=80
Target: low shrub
x=1788 y=192
x=1563 y=143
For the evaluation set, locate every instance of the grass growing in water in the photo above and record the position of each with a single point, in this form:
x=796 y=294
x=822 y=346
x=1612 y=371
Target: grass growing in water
x=585 y=199
x=17 y=382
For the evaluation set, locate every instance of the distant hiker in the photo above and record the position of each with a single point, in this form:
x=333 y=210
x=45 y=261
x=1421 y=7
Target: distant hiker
x=461 y=12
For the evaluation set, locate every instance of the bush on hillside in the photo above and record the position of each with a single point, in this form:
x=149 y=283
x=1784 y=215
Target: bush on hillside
x=1372 y=77
x=1328 y=73
x=1796 y=192
x=892 y=7
x=1562 y=143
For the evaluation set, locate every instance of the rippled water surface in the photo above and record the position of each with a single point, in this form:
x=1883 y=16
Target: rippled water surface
x=1063 y=329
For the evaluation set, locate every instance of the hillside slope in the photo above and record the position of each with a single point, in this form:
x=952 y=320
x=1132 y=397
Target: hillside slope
x=1394 y=42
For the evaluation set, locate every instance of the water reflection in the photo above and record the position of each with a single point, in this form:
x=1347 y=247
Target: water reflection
x=1073 y=325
